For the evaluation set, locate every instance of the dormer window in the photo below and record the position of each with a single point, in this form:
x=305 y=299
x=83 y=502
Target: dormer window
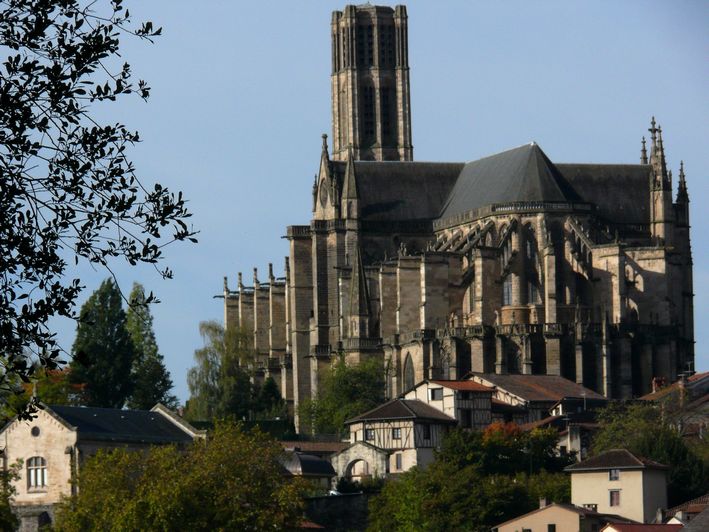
x=36 y=473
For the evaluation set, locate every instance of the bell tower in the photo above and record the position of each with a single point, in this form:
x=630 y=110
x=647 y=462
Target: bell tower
x=371 y=109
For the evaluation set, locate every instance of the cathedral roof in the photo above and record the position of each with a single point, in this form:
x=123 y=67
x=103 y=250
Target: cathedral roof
x=390 y=190
x=621 y=192
x=521 y=174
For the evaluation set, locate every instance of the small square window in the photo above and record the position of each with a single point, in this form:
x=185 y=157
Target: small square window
x=396 y=434
x=615 y=497
x=551 y=527
x=614 y=474
x=369 y=434
x=436 y=394
x=426 y=432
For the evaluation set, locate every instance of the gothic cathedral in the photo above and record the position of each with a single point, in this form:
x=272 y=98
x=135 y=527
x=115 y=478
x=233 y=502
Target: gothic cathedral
x=506 y=264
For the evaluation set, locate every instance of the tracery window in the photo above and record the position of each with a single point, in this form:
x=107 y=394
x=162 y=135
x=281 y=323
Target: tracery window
x=408 y=373
x=36 y=473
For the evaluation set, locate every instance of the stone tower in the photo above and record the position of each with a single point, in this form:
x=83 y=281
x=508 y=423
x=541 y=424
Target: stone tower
x=370 y=84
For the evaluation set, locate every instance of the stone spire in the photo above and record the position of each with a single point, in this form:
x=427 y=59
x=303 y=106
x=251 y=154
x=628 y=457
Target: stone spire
x=643 y=153
x=661 y=179
x=360 y=309
x=271 y=277
x=682 y=195
x=350 y=194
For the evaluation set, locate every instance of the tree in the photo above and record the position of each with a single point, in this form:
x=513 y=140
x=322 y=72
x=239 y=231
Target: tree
x=8 y=475
x=103 y=351
x=478 y=479
x=151 y=379
x=643 y=430
x=220 y=384
x=50 y=386
x=68 y=190
x=231 y=482
x=344 y=392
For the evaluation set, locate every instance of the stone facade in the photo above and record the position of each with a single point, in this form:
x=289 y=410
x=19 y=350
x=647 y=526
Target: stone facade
x=508 y=264
x=51 y=448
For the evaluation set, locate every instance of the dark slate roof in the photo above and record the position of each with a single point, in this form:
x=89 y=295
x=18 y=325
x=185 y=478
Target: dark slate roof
x=621 y=192
x=403 y=409
x=390 y=190
x=700 y=522
x=615 y=459
x=539 y=387
x=307 y=465
x=516 y=175
x=129 y=426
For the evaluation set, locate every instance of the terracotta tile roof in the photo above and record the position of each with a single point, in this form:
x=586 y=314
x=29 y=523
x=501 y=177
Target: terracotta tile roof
x=550 y=388
x=672 y=388
x=466 y=386
x=315 y=446
x=615 y=459
x=585 y=512
x=628 y=527
x=403 y=409
x=684 y=507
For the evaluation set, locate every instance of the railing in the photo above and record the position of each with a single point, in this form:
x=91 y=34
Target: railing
x=521 y=206
x=296 y=231
x=361 y=344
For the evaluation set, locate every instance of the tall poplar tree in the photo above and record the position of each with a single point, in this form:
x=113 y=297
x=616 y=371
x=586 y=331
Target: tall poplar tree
x=151 y=379
x=103 y=350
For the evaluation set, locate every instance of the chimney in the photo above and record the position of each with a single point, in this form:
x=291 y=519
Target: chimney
x=543 y=502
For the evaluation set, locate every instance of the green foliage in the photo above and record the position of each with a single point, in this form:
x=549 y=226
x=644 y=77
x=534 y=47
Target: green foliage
x=478 y=480
x=103 y=351
x=504 y=449
x=51 y=387
x=644 y=430
x=220 y=383
x=8 y=519
x=151 y=379
x=69 y=190
x=344 y=392
x=232 y=482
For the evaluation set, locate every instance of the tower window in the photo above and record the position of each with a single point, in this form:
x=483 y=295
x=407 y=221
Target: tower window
x=365 y=46
x=532 y=293
x=387 y=113
x=386 y=46
x=368 y=111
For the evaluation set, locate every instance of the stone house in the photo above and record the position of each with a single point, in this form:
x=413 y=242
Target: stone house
x=509 y=264
x=392 y=438
x=619 y=482
x=52 y=447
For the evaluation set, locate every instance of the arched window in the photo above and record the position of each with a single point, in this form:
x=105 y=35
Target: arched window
x=36 y=473
x=408 y=373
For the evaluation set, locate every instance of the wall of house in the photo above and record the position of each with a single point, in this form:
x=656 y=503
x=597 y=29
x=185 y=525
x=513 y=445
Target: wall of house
x=55 y=443
x=594 y=487
x=538 y=521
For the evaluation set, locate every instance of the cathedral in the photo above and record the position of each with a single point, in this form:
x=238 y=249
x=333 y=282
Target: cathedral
x=507 y=264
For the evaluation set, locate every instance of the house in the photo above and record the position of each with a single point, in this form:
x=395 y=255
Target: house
x=619 y=482
x=52 y=447
x=687 y=511
x=317 y=471
x=392 y=438
x=540 y=395
x=469 y=402
x=560 y=518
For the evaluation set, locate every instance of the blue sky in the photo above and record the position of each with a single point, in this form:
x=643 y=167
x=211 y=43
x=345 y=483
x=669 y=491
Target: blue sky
x=241 y=95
